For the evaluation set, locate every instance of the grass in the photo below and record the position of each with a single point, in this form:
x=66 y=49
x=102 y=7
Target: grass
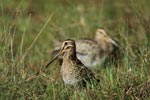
x=29 y=29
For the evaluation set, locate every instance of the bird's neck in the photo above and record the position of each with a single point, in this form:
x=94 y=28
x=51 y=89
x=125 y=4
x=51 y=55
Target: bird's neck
x=70 y=55
x=102 y=44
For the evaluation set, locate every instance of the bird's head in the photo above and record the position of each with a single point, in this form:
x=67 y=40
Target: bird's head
x=103 y=38
x=67 y=46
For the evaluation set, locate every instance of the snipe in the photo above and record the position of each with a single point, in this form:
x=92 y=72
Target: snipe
x=94 y=52
x=73 y=70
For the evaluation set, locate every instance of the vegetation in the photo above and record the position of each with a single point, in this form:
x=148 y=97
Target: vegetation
x=29 y=29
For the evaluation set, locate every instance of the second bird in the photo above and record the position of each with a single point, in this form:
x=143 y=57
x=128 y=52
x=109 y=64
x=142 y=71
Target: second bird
x=93 y=52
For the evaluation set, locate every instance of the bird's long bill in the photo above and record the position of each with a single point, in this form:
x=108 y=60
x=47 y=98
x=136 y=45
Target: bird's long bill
x=59 y=53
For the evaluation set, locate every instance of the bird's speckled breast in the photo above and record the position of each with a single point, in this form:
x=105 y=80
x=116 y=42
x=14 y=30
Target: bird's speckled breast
x=68 y=73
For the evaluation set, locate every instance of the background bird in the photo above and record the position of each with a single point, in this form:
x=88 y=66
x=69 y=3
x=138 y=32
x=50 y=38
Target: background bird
x=74 y=72
x=93 y=52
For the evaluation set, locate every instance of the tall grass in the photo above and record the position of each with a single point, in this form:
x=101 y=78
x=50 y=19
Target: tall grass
x=29 y=29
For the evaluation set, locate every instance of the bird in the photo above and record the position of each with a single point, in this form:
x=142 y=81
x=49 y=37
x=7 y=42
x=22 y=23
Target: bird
x=74 y=72
x=93 y=52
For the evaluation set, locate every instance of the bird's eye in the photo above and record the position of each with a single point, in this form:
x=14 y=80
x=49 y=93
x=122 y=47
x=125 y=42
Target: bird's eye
x=66 y=43
x=101 y=32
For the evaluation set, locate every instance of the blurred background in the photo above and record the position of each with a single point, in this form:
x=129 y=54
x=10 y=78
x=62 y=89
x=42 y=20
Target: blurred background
x=30 y=28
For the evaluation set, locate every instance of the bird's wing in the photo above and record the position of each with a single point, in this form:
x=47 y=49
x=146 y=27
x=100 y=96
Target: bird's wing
x=84 y=72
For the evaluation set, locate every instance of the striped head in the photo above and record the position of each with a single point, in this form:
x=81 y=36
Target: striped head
x=105 y=40
x=67 y=47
